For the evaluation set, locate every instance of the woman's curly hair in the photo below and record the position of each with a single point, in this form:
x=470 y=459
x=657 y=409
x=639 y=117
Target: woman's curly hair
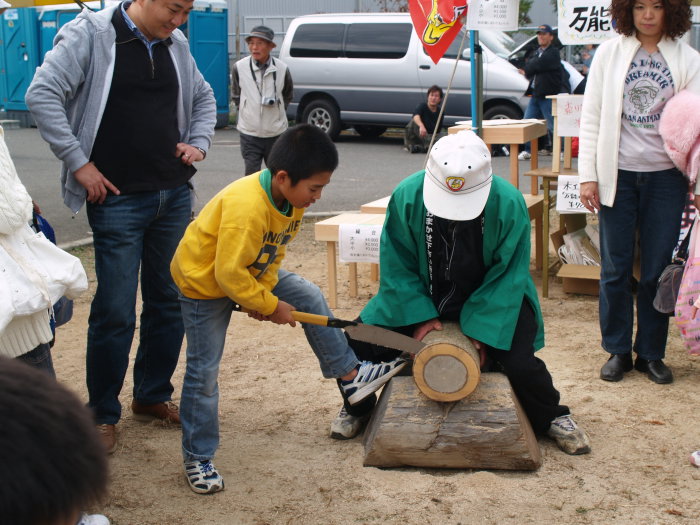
x=677 y=17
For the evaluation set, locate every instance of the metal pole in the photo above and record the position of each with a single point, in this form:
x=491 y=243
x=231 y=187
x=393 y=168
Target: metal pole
x=477 y=84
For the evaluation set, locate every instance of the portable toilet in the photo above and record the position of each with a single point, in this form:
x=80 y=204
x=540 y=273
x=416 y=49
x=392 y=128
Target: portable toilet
x=51 y=18
x=19 y=57
x=207 y=32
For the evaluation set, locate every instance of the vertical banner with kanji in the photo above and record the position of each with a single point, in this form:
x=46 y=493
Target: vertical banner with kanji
x=584 y=21
x=437 y=23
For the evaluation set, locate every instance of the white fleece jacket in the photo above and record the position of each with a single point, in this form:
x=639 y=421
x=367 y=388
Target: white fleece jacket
x=21 y=334
x=602 y=105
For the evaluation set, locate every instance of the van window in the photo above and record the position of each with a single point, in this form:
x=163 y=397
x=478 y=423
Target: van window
x=377 y=40
x=317 y=40
x=452 y=51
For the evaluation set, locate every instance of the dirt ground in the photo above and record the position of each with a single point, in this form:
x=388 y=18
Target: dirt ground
x=280 y=466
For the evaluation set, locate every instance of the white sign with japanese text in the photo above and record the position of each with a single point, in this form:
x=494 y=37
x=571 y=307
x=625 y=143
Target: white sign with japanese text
x=568 y=198
x=569 y=115
x=584 y=21
x=493 y=14
x=359 y=242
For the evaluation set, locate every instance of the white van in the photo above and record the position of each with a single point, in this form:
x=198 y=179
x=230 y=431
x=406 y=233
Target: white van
x=369 y=71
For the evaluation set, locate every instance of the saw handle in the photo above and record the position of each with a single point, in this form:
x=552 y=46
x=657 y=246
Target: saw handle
x=303 y=317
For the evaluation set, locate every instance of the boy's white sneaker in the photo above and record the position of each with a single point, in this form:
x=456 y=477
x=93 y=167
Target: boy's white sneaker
x=569 y=437
x=203 y=477
x=370 y=378
x=524 y=155
x=93 y=519
x=345 y=426
x=695 y=458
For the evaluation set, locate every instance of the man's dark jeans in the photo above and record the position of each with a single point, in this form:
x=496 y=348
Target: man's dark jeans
x=132 y=232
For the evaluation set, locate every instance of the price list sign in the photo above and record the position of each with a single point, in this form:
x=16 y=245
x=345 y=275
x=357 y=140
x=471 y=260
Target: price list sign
x=493 y=14
x=359 y=243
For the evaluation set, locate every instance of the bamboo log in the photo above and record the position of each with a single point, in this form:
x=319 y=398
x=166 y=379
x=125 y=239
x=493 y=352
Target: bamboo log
x=447 y=368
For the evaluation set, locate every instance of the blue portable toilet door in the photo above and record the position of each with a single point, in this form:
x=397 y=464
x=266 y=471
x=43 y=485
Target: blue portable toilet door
x=19 y=56
x=207 y=32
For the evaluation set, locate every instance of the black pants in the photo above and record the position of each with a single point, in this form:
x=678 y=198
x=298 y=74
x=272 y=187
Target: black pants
x=528 y=375
x=254 y=150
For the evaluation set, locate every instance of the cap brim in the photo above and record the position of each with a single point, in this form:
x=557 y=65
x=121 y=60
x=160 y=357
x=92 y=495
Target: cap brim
x=260 y=37
x=4 y=4
x=463 y=207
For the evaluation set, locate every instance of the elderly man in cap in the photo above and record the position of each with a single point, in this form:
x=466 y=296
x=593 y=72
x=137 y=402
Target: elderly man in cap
x=546 y=75
x=262 y=89
x=456 y=247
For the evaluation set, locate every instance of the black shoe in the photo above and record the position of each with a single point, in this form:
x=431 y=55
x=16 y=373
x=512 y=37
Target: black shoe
x=657 y=371
x=616 y=367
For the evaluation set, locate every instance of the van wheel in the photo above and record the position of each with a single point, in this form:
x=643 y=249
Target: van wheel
x=369 y=132
x=502 y=111
x=323 y=114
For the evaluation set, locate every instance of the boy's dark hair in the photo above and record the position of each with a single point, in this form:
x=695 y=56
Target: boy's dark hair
x=53 y=461
x=677 y=17
x=437 y=88
x=303 y=151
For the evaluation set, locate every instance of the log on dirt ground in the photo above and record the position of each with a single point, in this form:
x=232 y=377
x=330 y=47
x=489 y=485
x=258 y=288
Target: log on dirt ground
x=487 y=430
x=447 y=368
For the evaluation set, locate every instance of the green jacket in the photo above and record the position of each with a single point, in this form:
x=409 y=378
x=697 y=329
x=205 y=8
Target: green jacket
x=491 y=312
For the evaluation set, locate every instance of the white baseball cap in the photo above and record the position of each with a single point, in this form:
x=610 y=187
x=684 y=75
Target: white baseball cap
x=458 y=177
x=4 y=4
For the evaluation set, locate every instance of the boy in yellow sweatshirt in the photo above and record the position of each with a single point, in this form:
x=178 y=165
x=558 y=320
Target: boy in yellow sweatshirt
x=231 y=254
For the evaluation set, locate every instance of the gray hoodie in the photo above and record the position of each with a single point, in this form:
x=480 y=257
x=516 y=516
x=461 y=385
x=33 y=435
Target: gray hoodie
x=68 y=94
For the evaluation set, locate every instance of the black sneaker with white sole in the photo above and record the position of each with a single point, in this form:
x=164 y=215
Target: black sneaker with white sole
x=370 y=378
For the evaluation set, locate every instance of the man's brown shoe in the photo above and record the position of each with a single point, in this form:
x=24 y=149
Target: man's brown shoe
x=108 y=435
x=166 y=411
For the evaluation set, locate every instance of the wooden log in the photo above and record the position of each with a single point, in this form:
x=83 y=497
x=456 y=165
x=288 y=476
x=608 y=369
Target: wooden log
x=447 y=368
x=487 y=430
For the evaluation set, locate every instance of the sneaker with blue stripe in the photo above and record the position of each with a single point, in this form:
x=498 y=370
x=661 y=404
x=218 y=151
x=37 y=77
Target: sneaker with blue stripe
x=203 y=477
x=370 y=378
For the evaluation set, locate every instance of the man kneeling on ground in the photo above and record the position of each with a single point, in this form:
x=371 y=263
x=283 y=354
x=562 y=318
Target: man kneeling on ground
x=456 y=247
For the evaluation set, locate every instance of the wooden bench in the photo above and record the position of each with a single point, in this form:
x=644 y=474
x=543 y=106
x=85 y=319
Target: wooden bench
x=327 y=230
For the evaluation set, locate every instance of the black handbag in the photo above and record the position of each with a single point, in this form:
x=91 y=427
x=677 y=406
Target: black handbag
x=669 y=282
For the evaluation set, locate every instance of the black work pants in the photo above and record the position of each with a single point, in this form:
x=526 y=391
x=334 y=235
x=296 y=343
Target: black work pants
x=528 y=375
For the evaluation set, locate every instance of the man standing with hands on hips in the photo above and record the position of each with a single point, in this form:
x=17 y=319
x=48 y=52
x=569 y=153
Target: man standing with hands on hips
x=122 y=104
x=261 y=89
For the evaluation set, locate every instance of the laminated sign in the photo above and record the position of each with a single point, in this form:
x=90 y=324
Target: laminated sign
x=568 y=196
x=569 y=115
x=584 y=21
x=359 y=242
x=493 y=14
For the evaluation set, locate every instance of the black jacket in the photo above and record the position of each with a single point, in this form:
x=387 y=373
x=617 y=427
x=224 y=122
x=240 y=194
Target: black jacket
x=547 y=72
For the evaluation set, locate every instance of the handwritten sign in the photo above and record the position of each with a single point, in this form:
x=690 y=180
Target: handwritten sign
x=584 y=21
x=569 y=115
x=568 y=198
x=493 y=14
x=359 y=242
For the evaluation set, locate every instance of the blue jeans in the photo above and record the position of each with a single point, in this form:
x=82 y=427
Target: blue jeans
x=132 y=232
x=40 y=358
x=653 y=203
x=206 y=322
x=540 y=107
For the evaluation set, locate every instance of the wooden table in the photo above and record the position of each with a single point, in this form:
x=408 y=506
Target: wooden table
x=327 y=230
x=378 y=206
x=513 y=134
